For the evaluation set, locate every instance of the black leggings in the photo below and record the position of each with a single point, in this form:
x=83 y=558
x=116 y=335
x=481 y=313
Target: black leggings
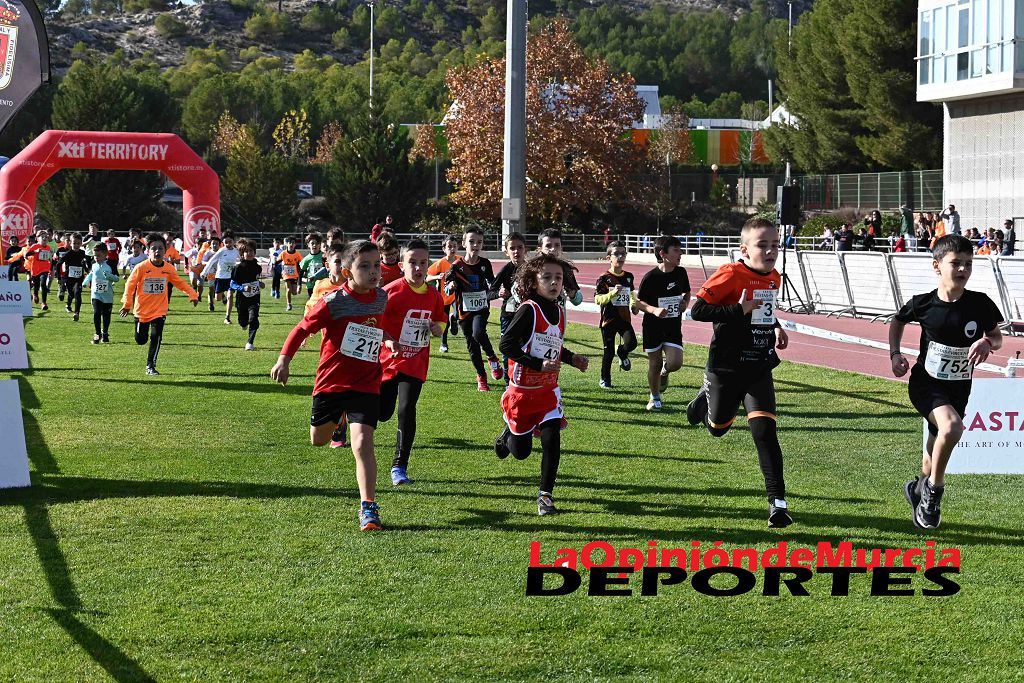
x=447 y=323
x=12 y=272
x=248 y=314
x=474 y=329
x=74 y=290
x=725 y=393
x=101 y=311
x=608 y=336
x=551 y=450
x=275 y=282
x=154 y=329
x=40 y=285
x=404 y=391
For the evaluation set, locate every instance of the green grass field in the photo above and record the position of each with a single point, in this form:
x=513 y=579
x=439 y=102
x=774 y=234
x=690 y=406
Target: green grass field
x=181 y=527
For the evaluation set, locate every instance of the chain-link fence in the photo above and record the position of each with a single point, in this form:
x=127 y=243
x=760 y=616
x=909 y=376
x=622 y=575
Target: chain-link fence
x=920 y=190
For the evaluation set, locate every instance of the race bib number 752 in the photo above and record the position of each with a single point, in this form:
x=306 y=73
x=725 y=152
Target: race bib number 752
x=947 y=362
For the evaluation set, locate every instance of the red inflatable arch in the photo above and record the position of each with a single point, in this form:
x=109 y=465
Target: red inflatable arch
x=54 y=150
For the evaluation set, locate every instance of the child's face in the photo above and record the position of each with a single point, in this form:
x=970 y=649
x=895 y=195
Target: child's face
x=290 y=245
x=76 y=242
x=42 y=238
x=670 y=257
x=214 y=244
x=229 y=242
x=314 y=246
x=335 y=267
x=761 y=248
x=451 y=248
x=549 y=281
x=156 y=250
x=473 y=243
x=390 y=257
x=13 y=241
x=136 y=248
x=617 y=258
x=414 y=266
x=954 y=270
x=551 y=246
x=516 y=251
x=246 y=252
x=99 y=254
x=364 y=273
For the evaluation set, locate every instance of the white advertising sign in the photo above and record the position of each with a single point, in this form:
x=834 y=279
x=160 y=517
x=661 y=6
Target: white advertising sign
x=13 y=352
x=993 y=440
x=15 y=297
x=13 y=455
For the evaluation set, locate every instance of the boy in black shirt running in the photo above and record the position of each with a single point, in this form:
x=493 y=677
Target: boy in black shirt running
x=74 y=264
x=663 y=297
x=470 y=278
x=245 y=290
x=504 y=287
x=959 y=329
x=616 y=295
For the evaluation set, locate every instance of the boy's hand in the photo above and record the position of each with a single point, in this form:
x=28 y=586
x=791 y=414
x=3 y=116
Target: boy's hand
x=783 y=339
x=980 y=351
x=899 y=365
x=750 y=305
x=124 y=312
x=436 y=329
x=279 y=373
x=195 y=302
x=618 y=288
x=659 y=312
x=391 y=346
x=550 y=365
x=581 y=363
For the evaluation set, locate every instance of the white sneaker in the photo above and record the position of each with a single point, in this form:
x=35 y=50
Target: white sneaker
x=249 y=347
x=444 y=349
x=289 y=307
x=654 y=404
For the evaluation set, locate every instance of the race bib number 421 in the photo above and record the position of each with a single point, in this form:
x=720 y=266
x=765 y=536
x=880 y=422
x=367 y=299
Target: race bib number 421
x=947 y=362
x=362 y=342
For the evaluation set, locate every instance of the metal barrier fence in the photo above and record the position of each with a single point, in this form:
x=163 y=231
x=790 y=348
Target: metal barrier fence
x=864 y=284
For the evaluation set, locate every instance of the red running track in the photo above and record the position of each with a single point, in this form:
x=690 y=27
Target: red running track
x=803 y=348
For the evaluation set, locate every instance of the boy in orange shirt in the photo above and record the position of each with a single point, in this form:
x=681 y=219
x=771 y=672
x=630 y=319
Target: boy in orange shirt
x=39 y=258
x=435 y=276
x=290 y=259
x=145 y=296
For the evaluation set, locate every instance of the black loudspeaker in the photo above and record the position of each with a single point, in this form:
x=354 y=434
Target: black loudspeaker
x=789 y=204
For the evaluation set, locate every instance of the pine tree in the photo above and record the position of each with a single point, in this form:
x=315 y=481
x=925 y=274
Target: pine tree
x=258 y=190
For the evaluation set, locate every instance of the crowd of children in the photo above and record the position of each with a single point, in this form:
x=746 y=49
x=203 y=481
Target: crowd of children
x=378 y=304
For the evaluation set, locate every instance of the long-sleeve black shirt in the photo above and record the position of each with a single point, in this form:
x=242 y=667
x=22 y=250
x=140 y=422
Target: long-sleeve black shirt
x=521 y=329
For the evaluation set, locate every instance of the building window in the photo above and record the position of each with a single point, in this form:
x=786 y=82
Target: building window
x=964 y=27
x=962 y=64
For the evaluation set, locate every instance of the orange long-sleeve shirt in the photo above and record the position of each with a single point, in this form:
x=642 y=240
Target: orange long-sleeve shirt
x=145 y=292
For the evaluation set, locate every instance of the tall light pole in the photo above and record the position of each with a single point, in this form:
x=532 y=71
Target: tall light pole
x=371 y=3
x=513 y=203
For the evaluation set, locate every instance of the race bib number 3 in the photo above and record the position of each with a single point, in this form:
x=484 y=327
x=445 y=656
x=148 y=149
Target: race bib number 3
x=671 y=304
x=765 y=313
x=622 y=298
x=415 y=330
x=474 y=301
x=546 y=346
x=947 y=362
x=362 y=342
x=154 y=285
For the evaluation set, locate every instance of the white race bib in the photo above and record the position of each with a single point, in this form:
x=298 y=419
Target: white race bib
x=415 y=330
x=362 y=342
x=474 y=301
x=947 y=362
x=622 y=298
x=44 y=255
x=671 y=304
x=154 y=285
x=288 y=270
x=101 y=287
x=74 y=272
x=765 y=313
x=546 y=346
x=251 y=289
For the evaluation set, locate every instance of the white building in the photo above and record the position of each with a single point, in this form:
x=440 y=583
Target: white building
x=969 y=59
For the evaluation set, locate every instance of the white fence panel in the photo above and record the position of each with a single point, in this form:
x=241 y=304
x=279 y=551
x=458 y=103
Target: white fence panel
x=826 y=282
x=913 y=274
x=871 y=287
x=1011 y=270
x=984 y=278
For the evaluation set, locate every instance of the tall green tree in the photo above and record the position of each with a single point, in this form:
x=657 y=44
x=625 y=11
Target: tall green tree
x=371 y=175
x=103 y=96
x=258 y=190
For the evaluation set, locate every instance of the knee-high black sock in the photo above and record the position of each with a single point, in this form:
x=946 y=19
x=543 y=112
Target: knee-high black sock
x=769 y=455
x=551 y=453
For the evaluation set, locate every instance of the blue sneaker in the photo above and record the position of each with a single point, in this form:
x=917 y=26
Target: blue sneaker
x=399 y=477
x=369 y=517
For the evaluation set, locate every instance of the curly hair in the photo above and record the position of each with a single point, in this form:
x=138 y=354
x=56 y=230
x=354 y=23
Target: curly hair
x=527 y=274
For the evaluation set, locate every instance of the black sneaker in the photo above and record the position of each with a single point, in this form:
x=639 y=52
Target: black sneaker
x=106 y=339
x=626 y=364
x=212 y=309
x=545 y=504
x=95 y=339
x=778 y=514
x=500 y=447
x=697 y=409
x=68 y=307
x=60 y=297
x=928 y=514
x=913 y=493
x=151 y=370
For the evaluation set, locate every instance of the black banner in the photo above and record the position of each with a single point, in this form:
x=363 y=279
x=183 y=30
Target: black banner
x=24 y=55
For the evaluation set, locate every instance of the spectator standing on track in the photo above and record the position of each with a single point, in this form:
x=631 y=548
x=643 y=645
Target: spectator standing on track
x=1011 y=236
x=906 y=219
x=844 y=239
x=952 y=219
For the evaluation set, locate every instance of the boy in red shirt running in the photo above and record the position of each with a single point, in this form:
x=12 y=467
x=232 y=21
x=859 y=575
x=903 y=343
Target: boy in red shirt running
x=39 y=257
x=349 y=373
x=415 y=311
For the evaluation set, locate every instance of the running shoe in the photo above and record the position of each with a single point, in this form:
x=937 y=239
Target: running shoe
x=654 y=404
x=444 y=348
x=68 y=307
x=605 y=384
x=697 y=409
x=912 y=491
x=399 y=476
x=929 y=511
x=453 y=325
x=626 y=364
x=481 y=384
x=150 y=370
x=545 y=504
x=227 y=321
x=45 y=307
x=340 y=437
x=778 y=514
x=106 y=339
x=249 y=347
x=496 y=371
x=288 y=308
x=95 y=339
x=664 y=380
x=369 y=517
x=60 y=295
x=75 y=317
x=501 y=446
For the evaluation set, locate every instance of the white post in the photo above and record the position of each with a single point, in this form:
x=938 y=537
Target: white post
x=371 y=4
x=513 y=203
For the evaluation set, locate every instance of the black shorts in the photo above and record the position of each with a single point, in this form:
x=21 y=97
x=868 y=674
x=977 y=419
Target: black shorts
x=928 y=393
x=361 y=407
x=726 y=390
x=662 y=332
x=222 y=285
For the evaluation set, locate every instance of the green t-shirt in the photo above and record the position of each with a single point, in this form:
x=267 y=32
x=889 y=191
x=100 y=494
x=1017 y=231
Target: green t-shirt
x=311 y=263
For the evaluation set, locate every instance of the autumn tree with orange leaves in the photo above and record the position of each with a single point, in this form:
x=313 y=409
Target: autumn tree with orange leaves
x=579 y=151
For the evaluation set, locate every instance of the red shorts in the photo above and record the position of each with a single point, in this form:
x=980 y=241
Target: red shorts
x=525 y=409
